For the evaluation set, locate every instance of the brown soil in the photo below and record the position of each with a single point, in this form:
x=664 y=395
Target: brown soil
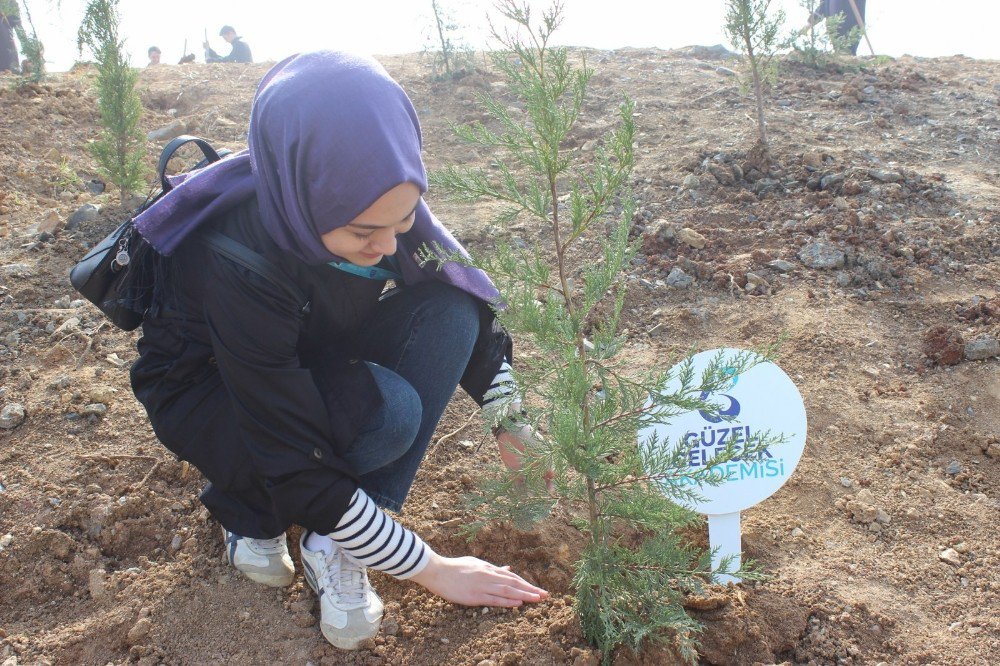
x=110 y=557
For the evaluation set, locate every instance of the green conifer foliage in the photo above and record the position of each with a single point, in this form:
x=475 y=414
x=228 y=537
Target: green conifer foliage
x=120 y=148
x=753 y=29
x=564 y=299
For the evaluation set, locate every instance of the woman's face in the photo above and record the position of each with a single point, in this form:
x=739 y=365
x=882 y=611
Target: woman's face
x=372 y=234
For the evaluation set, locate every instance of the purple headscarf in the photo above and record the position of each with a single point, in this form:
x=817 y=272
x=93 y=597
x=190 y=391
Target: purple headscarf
x=329 y=134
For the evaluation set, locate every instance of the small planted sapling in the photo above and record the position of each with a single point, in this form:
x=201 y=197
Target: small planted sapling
x=121 y=147
x=753 y=30
x=563 y=298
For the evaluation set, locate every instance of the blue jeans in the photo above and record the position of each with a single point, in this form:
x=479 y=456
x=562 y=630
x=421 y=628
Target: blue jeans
x=417 y=344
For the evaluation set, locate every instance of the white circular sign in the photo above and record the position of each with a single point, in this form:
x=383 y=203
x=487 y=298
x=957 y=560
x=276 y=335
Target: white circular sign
x=762 y=399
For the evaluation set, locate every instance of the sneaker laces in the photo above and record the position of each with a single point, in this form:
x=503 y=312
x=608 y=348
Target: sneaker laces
x=347 y=579
x=269 y=545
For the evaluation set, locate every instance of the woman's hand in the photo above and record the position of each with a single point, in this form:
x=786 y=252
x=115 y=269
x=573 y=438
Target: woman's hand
x=511 y=446
x=473 y=582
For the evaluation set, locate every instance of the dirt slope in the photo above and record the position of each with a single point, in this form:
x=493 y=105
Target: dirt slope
x=110 y=558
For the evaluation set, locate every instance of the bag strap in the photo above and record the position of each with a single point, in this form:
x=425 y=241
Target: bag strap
x=253 y=261
x=168 y=152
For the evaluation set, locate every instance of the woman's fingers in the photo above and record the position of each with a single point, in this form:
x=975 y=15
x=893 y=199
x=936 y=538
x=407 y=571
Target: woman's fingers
x=517 y=581
x=511 y=592
x=494 y=600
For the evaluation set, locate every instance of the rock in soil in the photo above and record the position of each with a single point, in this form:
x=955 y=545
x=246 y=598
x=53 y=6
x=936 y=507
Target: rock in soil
x=12 y=416
x=944 y=345
x=982 y=348
x=822 y=256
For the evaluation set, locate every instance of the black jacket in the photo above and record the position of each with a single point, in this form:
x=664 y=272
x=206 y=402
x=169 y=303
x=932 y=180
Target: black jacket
x=240 y=53
x=230 y=358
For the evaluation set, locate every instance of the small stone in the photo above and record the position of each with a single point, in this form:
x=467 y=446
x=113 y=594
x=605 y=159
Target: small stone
x=52 y=224
x=6 y=540
x=82 y=215
x=114 y=360
x=725 y=71
x=847 y=483
x=12 y=416
x=840 y=203
x=95 y=186
x=678 y=279
x=944 y=345
x=722 y=174
x=467 y=444
x=692 y=182
x=175 y=543
x=885 y=176
x=950 y=556
x=797 y=532
x=139 y=631
x=390 y=627
x=304 y=620
x=68 y=327
x=97 y=584
x=94 y=409
x=843 y=279
x=812 y=160
x=781 y=265
x=754 y=281
x=663 y=231
x=167 y=132
x=691 y=237
x=883 y=517
x=830 y=181
x=766 y=185
x=954 y=467
x=982 y=348
x=821 y=255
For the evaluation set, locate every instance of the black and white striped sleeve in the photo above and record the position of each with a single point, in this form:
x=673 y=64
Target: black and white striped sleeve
x=502 y=396
x=374 y=539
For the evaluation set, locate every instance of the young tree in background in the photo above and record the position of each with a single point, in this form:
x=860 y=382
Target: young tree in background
x=454 y=56
x=567 y=301
x=120 y=148
x=754 y=32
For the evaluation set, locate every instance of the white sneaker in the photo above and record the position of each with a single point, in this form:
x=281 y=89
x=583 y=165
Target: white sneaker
x=350 y=611
x=264 y=561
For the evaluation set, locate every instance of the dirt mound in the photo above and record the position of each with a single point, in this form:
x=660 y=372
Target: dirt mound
x=872 y=243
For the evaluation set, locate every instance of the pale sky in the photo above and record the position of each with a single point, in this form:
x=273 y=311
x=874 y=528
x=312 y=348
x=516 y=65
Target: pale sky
x=277 y=29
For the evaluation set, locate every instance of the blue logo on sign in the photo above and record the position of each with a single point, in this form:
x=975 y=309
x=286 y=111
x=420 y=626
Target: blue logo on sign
x=732 y=410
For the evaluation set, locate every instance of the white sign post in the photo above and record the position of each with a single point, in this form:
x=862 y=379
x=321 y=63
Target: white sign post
x=762 y=400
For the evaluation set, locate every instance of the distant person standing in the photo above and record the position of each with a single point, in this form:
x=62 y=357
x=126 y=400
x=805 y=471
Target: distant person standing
x=9 y=20
x=240 y=52
x=154 y=56
x=829 y=8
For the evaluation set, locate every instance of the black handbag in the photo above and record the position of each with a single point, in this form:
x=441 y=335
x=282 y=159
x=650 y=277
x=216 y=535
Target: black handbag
x=117 y=274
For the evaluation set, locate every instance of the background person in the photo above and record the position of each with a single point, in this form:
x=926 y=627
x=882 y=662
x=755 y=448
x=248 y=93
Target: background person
x=10 y=19
x=240 y=52
x=154 y=56
x=828 y=8
x=320 y=416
